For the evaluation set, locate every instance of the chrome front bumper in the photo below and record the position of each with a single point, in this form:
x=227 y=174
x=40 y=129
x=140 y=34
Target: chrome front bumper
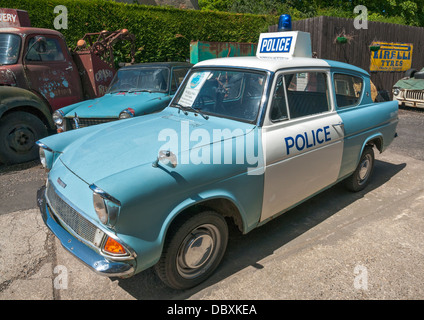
x=88 y=256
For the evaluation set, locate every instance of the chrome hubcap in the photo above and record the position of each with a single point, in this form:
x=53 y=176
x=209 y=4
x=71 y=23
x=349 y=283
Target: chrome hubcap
x=365 y=167
x=198 y=251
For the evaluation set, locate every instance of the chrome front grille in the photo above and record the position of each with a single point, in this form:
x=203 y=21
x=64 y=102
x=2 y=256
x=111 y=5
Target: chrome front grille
x=414 y=94
x=86 y=122
x=72 y=219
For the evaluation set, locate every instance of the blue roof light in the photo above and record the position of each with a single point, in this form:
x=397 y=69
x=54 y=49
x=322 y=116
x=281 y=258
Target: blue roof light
x=285 y=23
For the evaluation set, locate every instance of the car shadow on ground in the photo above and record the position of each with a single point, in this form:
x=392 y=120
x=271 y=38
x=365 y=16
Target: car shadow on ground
x=246 y=250
x=4 y=168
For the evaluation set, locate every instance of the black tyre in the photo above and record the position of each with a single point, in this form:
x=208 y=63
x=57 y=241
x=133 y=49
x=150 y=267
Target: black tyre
x=18 y=133
x=360 y=178
x=410 y=73
x=193 y=250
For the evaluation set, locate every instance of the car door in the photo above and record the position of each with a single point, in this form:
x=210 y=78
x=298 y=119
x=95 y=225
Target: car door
x=51 y=71
x=302 y=138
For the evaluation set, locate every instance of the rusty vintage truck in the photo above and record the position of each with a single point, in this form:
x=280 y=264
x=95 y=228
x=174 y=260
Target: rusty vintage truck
x=39 y=74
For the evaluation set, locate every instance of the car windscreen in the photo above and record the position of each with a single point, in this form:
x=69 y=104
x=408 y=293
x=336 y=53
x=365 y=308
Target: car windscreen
x=140 y=79
x=229 y=93
x=10 y=45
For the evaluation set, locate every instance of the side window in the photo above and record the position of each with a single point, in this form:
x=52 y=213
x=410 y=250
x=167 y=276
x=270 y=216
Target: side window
x=178 y=75
x=45 y=51
x=348 y=89
x=278 y=106
x=307 y=93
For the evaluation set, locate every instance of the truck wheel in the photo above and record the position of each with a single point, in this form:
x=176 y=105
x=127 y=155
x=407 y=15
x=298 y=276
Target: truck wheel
x=193 y=249
x=360 y=178
x=18 y=133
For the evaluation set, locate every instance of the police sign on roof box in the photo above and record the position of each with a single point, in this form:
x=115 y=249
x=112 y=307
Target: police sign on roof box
x=284 y=45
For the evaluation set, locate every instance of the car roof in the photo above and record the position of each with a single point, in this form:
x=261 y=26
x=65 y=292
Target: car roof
x=276 y=64
x=159 y=64
x=29 y=31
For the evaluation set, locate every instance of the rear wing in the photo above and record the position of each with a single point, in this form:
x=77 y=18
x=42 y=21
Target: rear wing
x=10 y=18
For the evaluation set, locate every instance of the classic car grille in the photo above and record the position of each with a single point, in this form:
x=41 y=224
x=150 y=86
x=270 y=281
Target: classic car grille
x=70 y=217
x=86 y=122
x=414 y=94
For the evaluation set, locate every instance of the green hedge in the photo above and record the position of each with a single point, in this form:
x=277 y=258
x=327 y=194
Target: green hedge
x=162 y=33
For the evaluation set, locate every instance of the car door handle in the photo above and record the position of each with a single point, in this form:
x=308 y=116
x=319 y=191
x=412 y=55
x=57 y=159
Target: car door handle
x=340 y=124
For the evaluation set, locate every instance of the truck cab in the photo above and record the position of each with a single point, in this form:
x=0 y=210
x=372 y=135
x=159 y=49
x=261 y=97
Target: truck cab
x=38 y=75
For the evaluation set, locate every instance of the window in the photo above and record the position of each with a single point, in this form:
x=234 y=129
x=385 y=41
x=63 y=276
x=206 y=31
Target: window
x=9 y=48
x=278 y=106
x=178 y=75
x=224 y=92
x=140 y=79
x=48 y=50
x=348 y=89
x=307 y=93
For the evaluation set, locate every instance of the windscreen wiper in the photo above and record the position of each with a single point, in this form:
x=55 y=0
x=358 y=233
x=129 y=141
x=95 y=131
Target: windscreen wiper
x=196 y=110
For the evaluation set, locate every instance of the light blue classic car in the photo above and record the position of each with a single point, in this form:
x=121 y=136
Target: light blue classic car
x=243 y=140
x=134 y=91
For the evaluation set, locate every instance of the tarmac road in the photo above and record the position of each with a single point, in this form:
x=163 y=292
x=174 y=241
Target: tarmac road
x=338 y=245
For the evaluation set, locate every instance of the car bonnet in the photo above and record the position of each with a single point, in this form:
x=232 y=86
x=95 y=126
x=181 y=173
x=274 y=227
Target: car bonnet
x=127 y=144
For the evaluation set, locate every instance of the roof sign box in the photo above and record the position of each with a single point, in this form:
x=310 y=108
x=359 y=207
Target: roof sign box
x=14 y=18
x=286 y=44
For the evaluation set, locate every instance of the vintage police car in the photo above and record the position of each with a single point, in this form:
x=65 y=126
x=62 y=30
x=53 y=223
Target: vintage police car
x=134 y=91
x=244 y=140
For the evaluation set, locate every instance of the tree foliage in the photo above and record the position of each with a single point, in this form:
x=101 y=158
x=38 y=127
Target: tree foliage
x=409 y=12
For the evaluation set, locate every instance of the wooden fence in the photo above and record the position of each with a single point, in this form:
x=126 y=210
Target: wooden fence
x=325 y=30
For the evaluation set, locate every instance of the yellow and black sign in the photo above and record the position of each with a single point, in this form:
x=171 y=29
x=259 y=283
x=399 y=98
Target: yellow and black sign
x=389 y=56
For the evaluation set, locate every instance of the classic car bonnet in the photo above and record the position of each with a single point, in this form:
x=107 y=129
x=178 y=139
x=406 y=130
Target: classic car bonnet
x=125 y=144
x=111 y=105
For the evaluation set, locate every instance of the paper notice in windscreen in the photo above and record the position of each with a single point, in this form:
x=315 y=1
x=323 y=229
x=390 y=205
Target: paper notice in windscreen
x=191 y=91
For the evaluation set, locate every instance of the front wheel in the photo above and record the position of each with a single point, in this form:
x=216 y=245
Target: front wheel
x=360 y=178
x=193 y=250
x=18 y=133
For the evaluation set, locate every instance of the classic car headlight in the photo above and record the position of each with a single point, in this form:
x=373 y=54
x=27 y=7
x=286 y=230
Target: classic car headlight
x=127 y=113
x=396 y=91
x=107 y=207
x=46 y=155
x=59 y=120
x=58 y=117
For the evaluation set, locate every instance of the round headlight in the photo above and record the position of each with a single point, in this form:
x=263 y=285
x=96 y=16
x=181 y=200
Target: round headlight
x=99 y=206
x=58 y=117
x=127 y=113
x=396 y=91
x=42 y=157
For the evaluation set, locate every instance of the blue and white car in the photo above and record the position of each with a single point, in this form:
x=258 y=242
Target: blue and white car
x=244 y=140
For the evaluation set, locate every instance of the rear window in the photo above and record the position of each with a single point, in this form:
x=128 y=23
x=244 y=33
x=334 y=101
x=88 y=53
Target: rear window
x=348 y=89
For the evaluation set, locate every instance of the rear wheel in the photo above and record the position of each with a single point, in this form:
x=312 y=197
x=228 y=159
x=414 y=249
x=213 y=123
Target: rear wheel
x=360 y=178
x=18 y=133
x=193 y=250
